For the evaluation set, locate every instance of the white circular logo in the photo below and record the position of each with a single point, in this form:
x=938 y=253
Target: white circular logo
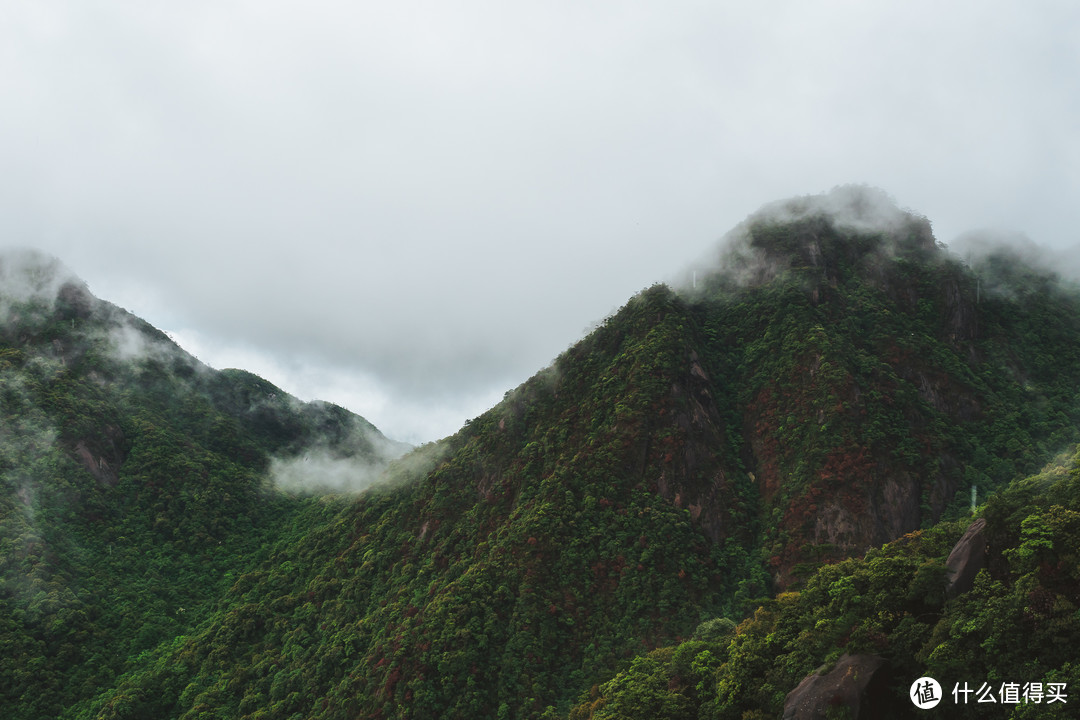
x=925 y=693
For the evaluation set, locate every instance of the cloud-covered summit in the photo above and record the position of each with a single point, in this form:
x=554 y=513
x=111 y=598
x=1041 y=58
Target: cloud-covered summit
x=30 y=275
x=856 y=208
x=791 y=231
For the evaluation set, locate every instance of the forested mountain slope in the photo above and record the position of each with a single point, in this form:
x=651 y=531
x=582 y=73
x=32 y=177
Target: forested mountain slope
x=133 y=483
x=1009 y=637
x=837 y=382
x=878 y=378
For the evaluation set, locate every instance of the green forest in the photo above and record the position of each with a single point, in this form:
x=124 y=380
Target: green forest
x=715 y=504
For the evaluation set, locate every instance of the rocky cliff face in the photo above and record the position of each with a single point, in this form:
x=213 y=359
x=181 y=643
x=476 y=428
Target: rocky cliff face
x=869 y=374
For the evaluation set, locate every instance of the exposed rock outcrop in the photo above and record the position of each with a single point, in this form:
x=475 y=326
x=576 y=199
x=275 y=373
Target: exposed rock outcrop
x=846 y=684
x=968 y=556
x=103 y=454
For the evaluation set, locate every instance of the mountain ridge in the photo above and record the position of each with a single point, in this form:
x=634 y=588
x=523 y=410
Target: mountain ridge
x=131 y=486
x=696 y=453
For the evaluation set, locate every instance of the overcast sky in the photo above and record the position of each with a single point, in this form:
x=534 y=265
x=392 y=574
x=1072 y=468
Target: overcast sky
x=409 y=208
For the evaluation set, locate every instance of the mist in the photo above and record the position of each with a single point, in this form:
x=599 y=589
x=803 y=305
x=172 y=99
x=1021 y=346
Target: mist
x=30 y=283
x=853 y=209
x=29 y=274
x=338 y=451
x=29 y=457
x=319 y=472
x=977 y=247
x=408 y=208
x=344 y=462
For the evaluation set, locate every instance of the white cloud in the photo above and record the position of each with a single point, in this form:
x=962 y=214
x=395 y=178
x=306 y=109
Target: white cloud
x=425 y=203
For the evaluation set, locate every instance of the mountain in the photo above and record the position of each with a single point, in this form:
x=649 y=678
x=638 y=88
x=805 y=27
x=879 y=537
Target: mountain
x=988 y=609
x=134 y=483
x=879 y=379
x=833 y=381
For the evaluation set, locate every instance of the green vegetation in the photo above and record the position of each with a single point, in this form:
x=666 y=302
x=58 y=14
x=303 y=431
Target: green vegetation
x=133 y=490
x=1019 y=624
x=702 y=461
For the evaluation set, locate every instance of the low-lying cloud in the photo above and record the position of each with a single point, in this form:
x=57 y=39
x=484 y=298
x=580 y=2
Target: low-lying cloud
x=976 y=247
x=28 y=274
x=319 y=472
x=851 y=208
x=321 y=469
x=847 y=209
x=30 y=283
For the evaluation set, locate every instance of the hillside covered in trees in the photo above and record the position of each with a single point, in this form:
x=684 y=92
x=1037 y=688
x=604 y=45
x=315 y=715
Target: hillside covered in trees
x=135 y=484
x=723 y=488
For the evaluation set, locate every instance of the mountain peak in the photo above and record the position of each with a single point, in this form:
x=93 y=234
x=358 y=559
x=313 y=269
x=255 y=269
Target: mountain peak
x=850 y=209
x=852 y=228
x=678 y=464
x=27 y=274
